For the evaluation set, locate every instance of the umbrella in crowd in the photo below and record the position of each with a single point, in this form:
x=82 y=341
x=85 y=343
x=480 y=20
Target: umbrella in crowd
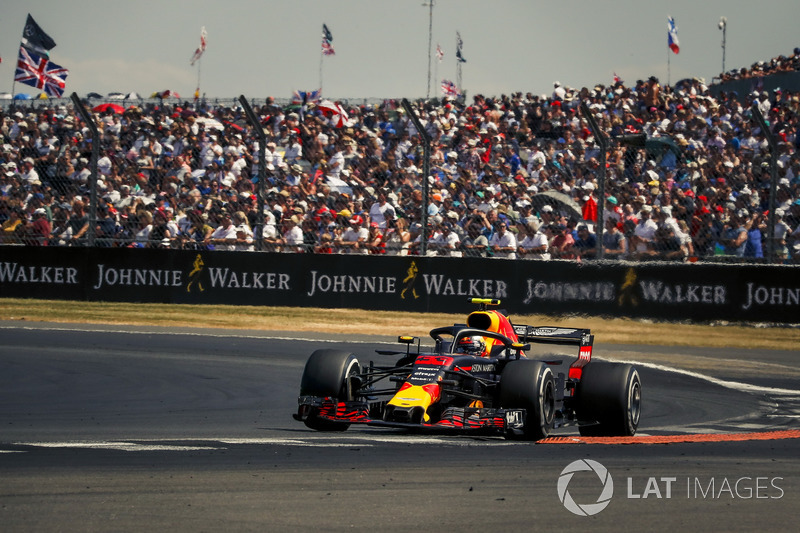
x=559 y=201
x=103 y=108
x=22 y=96
x=116 y=96
x=334 y=112
x=94 y=95
x=132 y=96
x=211 y=123
x=235 y=126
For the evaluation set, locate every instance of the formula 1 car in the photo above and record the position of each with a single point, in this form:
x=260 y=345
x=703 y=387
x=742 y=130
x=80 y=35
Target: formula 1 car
x=477 y=378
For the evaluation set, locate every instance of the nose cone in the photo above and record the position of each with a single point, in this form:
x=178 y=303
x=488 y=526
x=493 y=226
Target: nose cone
x=412 y=398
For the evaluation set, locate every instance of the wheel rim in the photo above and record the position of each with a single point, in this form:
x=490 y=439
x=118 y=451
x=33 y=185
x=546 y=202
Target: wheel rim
x=635 y=402
x=352 y=370
x=548 y=402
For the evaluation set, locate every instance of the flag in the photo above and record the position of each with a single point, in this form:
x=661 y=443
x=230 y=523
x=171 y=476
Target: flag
x=35 y=40
x=672 y=35
x=41 y=73
x=449 y=89
x=439 y=53
x=299 y=97
x=327 y=38
x=617 y=79
x=459 y=45
x=202 y=48
x=303 y=98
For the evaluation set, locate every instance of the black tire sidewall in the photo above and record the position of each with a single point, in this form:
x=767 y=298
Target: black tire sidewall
x=325 y=374
x=605 y=395
x=525 y=384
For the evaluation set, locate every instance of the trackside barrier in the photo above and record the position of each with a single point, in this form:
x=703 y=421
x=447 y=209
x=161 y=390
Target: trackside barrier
x=698 y=292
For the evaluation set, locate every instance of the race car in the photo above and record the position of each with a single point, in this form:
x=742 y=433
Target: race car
x=479 y=377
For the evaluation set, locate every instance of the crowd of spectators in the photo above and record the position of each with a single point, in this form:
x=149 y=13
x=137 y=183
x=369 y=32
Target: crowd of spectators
x=512 y=176
x=759 y=69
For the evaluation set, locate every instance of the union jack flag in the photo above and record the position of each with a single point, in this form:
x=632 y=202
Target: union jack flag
x=40 y=73
x=449 y=89
x=299 y=97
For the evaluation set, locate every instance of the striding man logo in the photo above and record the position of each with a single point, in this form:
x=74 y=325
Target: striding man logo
x=194 y=275
x=627 y=292
x=410 y=280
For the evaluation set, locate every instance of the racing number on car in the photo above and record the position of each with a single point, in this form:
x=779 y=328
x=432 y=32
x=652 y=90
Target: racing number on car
x=435 y=360
x=514 y=419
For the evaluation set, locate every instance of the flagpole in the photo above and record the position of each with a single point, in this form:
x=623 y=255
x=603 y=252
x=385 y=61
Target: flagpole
x=197 y=92
x=458 y=63
x=321 y=56
x=430 y=43
x=669 y=66
x=436 y=70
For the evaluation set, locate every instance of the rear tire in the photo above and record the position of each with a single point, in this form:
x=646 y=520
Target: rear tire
x=327 y=373
x=529 y=385
x=611 y=395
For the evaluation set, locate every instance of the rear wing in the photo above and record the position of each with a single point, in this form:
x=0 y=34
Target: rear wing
x=566 y=336
x=554 y=335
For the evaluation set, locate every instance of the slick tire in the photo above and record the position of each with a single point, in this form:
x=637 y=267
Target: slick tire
x=327 y=373
x=610 y=395
x=529 y=385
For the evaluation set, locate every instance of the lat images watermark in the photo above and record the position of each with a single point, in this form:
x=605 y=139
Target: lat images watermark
x=586 y=509
x=663 y=487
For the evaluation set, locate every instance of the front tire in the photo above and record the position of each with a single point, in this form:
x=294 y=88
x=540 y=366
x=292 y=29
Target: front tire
x=529 y=385
x=328 y=373
x=609 y=394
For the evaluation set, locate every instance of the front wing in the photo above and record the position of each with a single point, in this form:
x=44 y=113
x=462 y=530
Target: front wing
x=504 y=421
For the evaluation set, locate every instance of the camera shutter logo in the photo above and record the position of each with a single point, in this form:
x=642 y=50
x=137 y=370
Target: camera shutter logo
x=587 y=509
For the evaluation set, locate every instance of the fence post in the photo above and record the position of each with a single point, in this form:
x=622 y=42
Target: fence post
x=773 y=182
x=601 y=141
x=262 y=141
x=87 y=118
x=426 y=170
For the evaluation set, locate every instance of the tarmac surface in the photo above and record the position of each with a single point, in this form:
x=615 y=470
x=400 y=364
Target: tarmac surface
x=112 y=428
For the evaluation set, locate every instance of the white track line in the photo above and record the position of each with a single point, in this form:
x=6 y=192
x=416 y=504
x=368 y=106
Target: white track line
x=735 y=385
x=193 y=334
x=192 y=444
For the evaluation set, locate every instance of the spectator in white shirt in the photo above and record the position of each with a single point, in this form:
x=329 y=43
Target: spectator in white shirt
x=503 y=243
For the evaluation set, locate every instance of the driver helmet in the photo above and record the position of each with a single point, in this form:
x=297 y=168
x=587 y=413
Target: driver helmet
x=471 y=345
